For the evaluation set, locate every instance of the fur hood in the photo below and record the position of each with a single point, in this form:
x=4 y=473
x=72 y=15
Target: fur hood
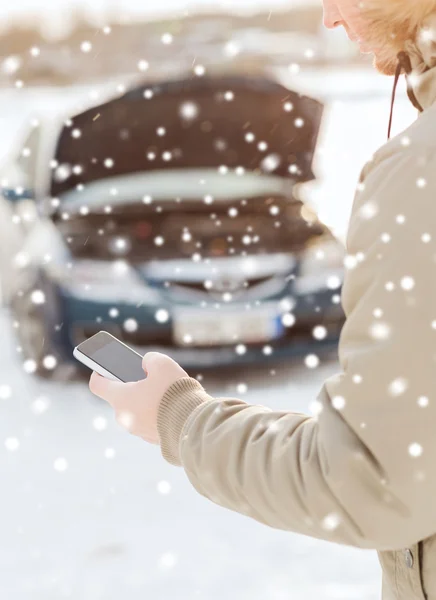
x=396 y=25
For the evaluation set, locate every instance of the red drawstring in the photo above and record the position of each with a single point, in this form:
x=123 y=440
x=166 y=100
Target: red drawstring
x=403 y=63
x=394 y=91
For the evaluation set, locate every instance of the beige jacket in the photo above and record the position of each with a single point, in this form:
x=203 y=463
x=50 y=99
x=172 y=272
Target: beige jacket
x=363 y=472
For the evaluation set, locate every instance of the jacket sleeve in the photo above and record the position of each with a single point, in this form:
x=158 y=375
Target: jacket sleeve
x=362 y=472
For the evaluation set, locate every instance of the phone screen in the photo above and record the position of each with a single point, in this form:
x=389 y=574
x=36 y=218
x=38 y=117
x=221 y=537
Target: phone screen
x=115 y=357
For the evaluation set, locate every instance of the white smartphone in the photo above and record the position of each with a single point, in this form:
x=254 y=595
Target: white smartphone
x=110 y=358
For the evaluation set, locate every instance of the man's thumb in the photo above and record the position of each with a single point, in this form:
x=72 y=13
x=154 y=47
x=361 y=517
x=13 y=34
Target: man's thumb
x=148 y=359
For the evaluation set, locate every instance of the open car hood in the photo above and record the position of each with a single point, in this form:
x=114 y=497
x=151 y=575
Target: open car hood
x=197 y=122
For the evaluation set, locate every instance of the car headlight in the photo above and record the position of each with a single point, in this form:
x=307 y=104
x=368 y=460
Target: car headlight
x=104 y=281
x=321 y=266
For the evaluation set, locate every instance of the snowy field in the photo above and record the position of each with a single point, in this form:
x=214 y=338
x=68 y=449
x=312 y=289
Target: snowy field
x=90 y=513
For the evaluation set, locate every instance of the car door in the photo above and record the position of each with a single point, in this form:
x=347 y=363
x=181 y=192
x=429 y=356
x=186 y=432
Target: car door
x=17 y=203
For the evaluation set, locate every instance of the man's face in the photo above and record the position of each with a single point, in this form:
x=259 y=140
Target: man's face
x=346 y=13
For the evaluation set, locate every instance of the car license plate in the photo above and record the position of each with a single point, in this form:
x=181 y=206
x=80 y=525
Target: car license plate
x=204 y=327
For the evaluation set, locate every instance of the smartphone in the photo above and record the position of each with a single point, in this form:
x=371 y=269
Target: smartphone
x=110 y=358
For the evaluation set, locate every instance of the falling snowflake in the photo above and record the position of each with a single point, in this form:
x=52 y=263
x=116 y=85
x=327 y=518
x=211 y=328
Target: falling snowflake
x=162 y=315
x=189 y=111
x=232 y=48
x=49 y=362
x=311 y=361
x=423 y=401
x=109 y=453
x=126 y=419
x=398 y=386
x=11 y=64
x=86 y=47
x=407 y=283
x=271 y=163
x=415 y=450
x=380 y=331
x=130 y=325
x=12 y=444
x=315 y=407
x=288 y=320
x=369 y=210
x=250 y=137
x=148 y=94
x=299 y=122
x=288 y=106
x=267 y=350
x=40 y=405
x=199 y=70
x=108 y=163
x=241 y=349
x=262 y=146
x=164 y=487
x=357 y=379
x=5 y=391
x=60 y=465
x=338 y=402
x=143 y=65
x=400 y=219
x=99 y=423
x=167 y=38
x=331 y=522
x=62 y=173
x=159 y=240
x=242 y=388
x=319 y=332
x=29 y=365
x=168 y=560
x=421 y=182
x=333 y=282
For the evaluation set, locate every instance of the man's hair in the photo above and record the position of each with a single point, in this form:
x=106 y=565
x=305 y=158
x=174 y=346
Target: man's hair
x=393 y=23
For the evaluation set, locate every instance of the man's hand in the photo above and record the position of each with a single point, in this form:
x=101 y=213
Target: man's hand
x=136 y=404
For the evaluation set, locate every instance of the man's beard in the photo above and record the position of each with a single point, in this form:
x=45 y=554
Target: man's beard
x=385 y=66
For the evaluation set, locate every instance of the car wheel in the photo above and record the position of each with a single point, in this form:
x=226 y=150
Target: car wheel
x=36 y=317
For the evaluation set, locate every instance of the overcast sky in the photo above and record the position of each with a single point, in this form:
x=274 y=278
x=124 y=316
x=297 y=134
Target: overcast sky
x=138 y=7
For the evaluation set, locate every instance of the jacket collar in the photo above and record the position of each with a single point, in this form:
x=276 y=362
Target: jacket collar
x=418 y=61
x=422 y=55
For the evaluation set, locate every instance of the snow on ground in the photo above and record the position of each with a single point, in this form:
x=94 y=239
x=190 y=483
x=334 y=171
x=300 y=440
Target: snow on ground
x=91 y=513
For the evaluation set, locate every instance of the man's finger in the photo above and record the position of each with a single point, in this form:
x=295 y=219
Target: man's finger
x=106 y=389
x=149 y=357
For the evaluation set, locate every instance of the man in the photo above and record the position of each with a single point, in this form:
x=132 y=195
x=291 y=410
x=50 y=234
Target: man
x=361 y=472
